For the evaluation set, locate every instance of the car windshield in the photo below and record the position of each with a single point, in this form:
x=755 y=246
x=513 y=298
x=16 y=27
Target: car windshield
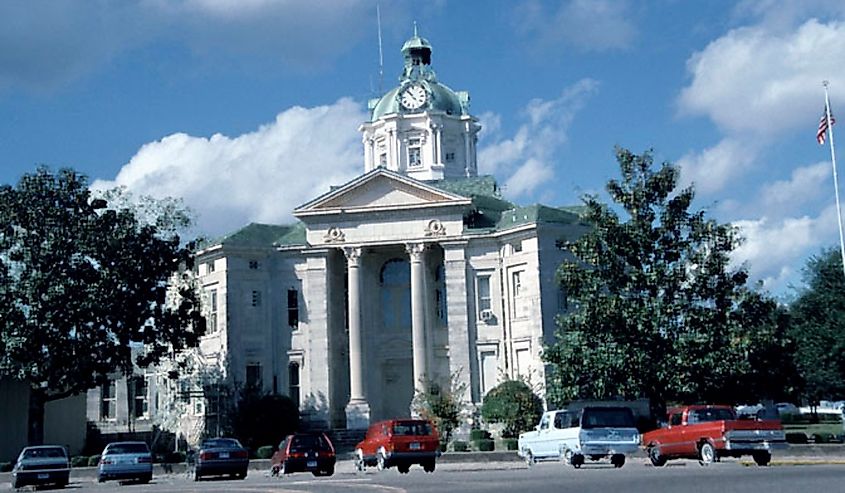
x=412 y=428
x=308 y=442
x=128 y=448
x=607 y=417
x=221 y=443
x=710 y=414
x=41 y=453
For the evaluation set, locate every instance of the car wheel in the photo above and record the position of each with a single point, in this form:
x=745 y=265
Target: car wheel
x=403 y=468
x=242 y=475
x=381 y=462
x=706 y=454
x=529 y=458
x=657 y=459
x=618 y=460
x=428 y=466
x=146 y=479
x=16 y=485
x=359 y=460
x=762 y=458
x=197 y=475
x=577 y=460
x=100 y=479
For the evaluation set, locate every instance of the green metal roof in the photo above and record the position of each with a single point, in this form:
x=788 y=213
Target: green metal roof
x=264 y=236
x=535 y=214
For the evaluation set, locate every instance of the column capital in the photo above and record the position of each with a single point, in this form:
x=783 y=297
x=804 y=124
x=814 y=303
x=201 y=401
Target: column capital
x=415 y=251
x=353 y=255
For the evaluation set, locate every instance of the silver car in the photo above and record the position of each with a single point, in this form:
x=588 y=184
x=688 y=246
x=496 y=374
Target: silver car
x=44 y=464
x=126 y=461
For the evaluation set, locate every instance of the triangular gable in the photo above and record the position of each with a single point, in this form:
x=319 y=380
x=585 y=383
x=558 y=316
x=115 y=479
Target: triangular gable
x=381 y=189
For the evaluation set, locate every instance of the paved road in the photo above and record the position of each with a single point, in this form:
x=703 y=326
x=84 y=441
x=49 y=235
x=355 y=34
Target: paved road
x=635 y=477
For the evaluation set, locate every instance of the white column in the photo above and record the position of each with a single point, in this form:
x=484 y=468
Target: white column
x=415 y=252
x=358 y=410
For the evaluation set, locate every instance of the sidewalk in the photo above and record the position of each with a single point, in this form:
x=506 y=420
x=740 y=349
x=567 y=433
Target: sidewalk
x=480 y=461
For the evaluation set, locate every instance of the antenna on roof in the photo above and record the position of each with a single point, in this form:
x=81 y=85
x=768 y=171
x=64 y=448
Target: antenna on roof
x=380 y=53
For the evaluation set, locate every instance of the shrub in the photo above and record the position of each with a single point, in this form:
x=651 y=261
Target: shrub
x=485 y=445
x=5 y=466
x=93 y=460
x=441 y=405
x=796 y=437
x=478 y=435
x=510 y=443
x=260 y=419
x=822 y=438
x=460 y=446
x=513 y=404
x=79 y=461
x=265 y=452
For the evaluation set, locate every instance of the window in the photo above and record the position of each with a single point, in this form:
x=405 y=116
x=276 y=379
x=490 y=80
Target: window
x=517 y=302
x=517 y=247
x=482 y=293
x=253 y=376
x=253 y=265
x=517 y=283
x=450 y=156
x=212 y=311
x=108 y=400
x=523 y=363
x=440 y=294
x=198 y=405
x=209 y=267
x=675 y=419
x=414 y=153
x=489 y=367
x=293 y=382
x=256 y=298
x=382 y=160
x=140 y=402
x=293 y=309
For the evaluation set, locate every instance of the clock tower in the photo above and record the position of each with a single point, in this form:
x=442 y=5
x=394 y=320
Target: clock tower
x=421 y=128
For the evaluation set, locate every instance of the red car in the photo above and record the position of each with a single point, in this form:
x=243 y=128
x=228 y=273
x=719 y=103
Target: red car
x=708 y=433
x=400 y=443
x=304 y=452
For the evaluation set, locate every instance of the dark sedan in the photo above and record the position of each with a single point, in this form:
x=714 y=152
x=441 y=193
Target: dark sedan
x=219 y=457
x=304 y=452
x=45 y=464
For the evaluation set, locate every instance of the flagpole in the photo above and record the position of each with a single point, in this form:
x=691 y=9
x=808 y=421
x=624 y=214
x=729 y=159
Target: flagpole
x=835 y=179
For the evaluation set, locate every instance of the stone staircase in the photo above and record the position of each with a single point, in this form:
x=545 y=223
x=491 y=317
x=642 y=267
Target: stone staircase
x=344 y=441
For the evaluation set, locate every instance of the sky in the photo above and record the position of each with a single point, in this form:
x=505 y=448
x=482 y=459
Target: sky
x=247 y=109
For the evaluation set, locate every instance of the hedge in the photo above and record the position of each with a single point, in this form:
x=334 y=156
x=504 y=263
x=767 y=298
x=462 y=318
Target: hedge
x=510 y=443
x=796 y=437
x=460 y=446
x=79 y=461
x=93 y=461
x=264 y=452
x=478 y=435
x=5 y=466
x=485 y=445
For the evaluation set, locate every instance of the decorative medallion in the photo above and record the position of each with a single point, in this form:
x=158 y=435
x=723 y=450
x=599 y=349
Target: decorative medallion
x=435 y=228
x=334 y=235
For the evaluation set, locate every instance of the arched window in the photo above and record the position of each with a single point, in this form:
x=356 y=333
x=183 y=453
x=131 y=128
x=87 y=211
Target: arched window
x=395 y=280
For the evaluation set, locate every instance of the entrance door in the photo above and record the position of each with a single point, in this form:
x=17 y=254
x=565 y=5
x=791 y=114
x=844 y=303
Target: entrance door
x=397 y=389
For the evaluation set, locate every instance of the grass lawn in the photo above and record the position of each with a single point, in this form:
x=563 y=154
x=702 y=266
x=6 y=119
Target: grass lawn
x=811 y=429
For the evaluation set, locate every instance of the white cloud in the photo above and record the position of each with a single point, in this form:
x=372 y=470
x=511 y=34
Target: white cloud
x=764 y=82
x=528 y=158
x=590 y=25
x=259 y=176
x=803 y=187
x=712 y=169
x=776 y=249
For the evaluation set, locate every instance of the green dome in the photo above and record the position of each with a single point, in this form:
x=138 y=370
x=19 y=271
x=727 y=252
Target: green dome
x=441 y=99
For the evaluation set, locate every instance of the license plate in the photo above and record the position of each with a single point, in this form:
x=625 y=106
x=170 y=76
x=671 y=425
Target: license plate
x=311 y=463
x=224 y=455
x=415 y=446
x=43 y=476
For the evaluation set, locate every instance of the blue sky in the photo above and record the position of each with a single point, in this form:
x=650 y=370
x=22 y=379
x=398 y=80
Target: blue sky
x=249 y=108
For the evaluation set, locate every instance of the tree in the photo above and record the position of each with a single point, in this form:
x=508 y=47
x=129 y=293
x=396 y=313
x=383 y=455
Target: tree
x=441 y=405
x=657 y=311
x=818 y=326
x=513 y=404
x=82 y=284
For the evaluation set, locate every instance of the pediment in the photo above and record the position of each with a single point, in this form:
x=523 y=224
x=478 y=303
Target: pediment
x=380 y=189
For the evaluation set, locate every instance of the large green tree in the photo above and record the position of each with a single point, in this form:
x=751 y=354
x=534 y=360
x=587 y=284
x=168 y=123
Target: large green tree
x=818 y=327
x=657 y=311
x=82 y=283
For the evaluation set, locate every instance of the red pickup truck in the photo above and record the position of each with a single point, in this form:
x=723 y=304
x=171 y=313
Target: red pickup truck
x=708 y=433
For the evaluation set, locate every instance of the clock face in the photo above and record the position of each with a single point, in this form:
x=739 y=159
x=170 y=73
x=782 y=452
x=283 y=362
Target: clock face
x=413 y=97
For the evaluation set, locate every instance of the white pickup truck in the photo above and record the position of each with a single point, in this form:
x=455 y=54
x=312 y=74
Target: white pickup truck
x=588 y=432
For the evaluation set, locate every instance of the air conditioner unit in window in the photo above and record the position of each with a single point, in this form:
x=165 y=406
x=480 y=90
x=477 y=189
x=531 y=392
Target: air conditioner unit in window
x=486 y=315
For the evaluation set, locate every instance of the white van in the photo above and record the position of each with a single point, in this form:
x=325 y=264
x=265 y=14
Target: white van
x=588 y=432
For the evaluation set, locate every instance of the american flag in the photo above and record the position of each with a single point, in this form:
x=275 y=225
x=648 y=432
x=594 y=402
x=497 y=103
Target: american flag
x=822 y=133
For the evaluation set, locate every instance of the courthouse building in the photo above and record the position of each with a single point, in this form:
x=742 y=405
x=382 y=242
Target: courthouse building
x=417 y=269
